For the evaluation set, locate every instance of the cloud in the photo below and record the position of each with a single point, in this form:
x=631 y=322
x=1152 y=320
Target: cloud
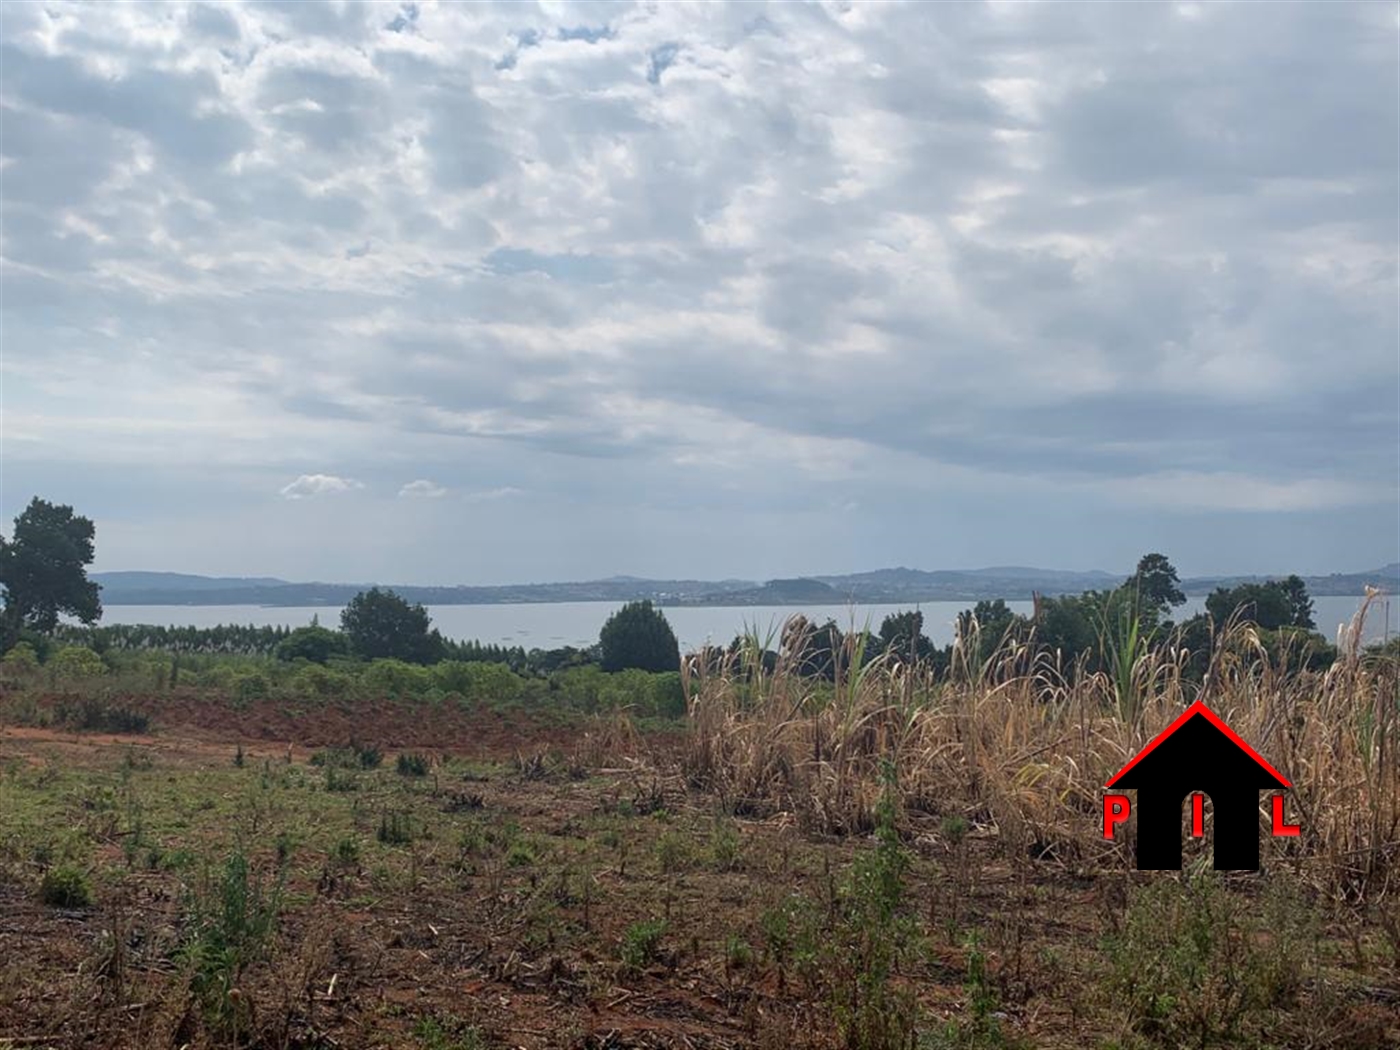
x=422 y=489
x=310 y=486
x=713 y=260
x=504 y=492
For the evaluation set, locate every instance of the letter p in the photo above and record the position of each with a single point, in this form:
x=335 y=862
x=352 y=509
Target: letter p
x=1116 y=809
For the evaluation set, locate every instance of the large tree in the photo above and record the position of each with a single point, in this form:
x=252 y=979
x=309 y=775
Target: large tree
x=43 y=568
x=1156 y=584
x=1270 y=605
x=382 y=624
x=637 y=635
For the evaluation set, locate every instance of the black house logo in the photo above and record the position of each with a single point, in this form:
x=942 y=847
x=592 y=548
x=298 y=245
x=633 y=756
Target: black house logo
x=1197 y=755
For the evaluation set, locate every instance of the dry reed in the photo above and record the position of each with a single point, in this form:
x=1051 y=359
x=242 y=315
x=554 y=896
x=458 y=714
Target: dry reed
x=1021 y=745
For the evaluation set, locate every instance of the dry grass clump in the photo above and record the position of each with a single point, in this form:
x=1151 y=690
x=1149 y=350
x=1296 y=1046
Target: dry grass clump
x=1022 y=746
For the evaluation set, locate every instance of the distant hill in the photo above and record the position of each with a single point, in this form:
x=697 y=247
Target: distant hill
x=180 y=581
x=881 y=586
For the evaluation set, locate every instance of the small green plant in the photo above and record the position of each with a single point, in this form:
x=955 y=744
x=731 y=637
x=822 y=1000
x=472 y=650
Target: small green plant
x=1195 y=965
x=341 y=780
x=520 y=854
x=238 y=757
x=726 y=847
x=367 y=755
x=413 y=764
x=672 y=852
x=738 y=955
x=871 y=1013
x=346 y=852
x=65 y=886
x=640 y=943
x=395 y=829
x=232 y=921
x=447 y=1034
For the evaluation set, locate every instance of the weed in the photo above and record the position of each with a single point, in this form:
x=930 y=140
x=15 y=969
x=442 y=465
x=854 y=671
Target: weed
x=341 y=780
x=65 y=886
x=447 y=1034
x=640 y=943
x=520 y=854
x=726 y=847
x=413 y=765
x=346 y=853
x=395 y=829
x=1192 y=966
x=233 y=919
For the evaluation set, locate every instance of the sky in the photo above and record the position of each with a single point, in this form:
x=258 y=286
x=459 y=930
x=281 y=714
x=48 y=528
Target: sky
x=448 y=293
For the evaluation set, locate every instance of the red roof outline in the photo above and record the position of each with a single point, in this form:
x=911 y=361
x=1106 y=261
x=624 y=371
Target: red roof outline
x=1199 y=708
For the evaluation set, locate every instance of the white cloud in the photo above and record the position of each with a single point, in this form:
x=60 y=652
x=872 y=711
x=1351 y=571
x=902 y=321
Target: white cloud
x=504 y=492
x=422 y=489
x=741 y=250
x=309 y=486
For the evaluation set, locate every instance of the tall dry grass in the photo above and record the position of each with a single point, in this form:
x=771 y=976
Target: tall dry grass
x=1021 y=745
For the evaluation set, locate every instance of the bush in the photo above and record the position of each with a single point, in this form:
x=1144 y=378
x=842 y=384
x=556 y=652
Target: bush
x=75 y=662
x=249 y=685
x=477 y=680
x=396 y=679
x=413 y=765
x=322 y=682
x=637 y=635
x=65 y=887
x=20 y=662
x=316 y=644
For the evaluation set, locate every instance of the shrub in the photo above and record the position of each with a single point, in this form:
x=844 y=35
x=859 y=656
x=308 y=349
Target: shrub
x=316 y=644
x=75 y=662
x=249 y=685
x=367 y=756
x=318 y=681
x=484 y=682
x=412 y=764
x=396 y=679
x=20 y=662
x=65 y=887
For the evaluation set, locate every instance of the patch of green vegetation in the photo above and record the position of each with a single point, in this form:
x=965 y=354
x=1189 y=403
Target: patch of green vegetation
x=447 y=1033
x=65 y=886
x=395 y=828
x=413 y=764
x=639 y=945
x=1194 y=964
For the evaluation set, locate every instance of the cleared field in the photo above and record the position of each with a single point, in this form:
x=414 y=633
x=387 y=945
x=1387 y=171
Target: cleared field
x=870 y=865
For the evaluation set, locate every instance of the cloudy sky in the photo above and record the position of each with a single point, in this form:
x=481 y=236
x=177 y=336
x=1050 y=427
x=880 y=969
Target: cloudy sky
x=458 y=293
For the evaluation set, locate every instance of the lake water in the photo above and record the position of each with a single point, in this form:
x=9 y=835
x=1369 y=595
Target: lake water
x=549 y=625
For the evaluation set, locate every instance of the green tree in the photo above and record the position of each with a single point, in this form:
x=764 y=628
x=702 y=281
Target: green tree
x=315 y=643
x=1069 y=624
x=1300 y=606
x=378 y=624
x=43 y=569
x=637 y=635
x=1156 y=584
x=902 y=636
x=1270 y=605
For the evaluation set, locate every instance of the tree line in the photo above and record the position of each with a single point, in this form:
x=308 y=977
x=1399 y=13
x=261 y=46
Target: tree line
x=43 y=569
